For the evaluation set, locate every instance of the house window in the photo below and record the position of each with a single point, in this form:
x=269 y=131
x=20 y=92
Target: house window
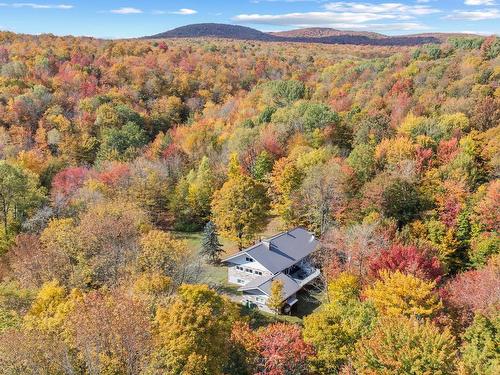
x=248 y=270
x=239 y=281
x=258 y=273
x=260 y=299
x=239 y=268
x=248 y=259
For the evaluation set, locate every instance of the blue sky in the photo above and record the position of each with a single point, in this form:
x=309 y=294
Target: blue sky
x=133 y=18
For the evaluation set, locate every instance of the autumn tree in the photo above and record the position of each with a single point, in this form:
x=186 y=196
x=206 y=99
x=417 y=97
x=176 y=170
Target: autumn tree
x=282 y=350
x=474 y=290
x=408 y=260
x=334 y=329
x=351 y=249
x=163 y=254
x=286 y=179
x=406 y=346
x=244 y=352
x=109 y=233
x=193 y=332
x=275 y=300
x=239 y=208
x=111 y=332
x=399 y=294
x=320 y=196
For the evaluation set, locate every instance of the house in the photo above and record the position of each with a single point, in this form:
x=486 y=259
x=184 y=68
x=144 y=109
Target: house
x=283 y=257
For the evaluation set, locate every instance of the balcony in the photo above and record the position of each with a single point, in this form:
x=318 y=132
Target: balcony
x=305 y=275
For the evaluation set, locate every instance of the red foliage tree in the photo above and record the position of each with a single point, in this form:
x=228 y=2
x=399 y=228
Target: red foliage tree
x=487 y=211
x=67 y=182
x=114 y=174
x=474 y=291
x=283 y=351
x=447 y=150
x=408 y=260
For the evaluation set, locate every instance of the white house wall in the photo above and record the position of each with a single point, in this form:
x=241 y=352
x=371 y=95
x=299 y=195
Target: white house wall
x=258 y=298
x=235 y=276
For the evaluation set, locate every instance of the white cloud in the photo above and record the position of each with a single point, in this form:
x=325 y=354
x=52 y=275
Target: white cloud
x=39 y=6
x=475 y=15
x=483 y=33
x=185 y=12
x=364 y=15
x=127 y=10
x=382 y=8
x=479 y=2
x=312 y=18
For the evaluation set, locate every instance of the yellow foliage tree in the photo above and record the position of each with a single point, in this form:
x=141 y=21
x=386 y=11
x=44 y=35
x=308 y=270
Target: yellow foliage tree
x=400 y=345
x=162 y=254
x=239 y=208
x=50 y=308
x=343 y=288
x=275 y=301
x=193 y=333
x=392 y=151
x=400 y=294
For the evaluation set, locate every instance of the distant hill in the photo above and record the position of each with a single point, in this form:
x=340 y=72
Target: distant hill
x=215 y=30
x=309 y=35
x=322 y=32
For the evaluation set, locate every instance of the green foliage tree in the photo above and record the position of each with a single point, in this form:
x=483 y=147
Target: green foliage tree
x=263 y=166
x=480 y=349
x=362 y=160
x=192 y=197
x=19 y=192
x=122 y=143
x=401 y=201
x=286 y=92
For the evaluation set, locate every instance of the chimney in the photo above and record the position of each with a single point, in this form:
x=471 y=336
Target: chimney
x=266 y=243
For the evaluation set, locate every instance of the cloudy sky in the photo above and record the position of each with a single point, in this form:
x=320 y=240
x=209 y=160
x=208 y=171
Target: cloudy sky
x=117 y=19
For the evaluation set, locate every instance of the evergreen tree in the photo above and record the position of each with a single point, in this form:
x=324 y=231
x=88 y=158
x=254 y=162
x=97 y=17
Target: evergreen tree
x=210 y=245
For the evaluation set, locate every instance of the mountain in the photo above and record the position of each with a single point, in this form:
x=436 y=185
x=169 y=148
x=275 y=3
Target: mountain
x=311 y=35
x=214 y=30
x=322 y=32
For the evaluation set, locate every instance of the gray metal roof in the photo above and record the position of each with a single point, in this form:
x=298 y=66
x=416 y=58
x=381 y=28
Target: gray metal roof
x=282 y=250
x=264 y=284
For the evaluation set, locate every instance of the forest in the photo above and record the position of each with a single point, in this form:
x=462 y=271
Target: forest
x=115 y=154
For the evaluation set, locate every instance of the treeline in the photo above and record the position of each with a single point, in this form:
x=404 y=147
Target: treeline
x=389 y=154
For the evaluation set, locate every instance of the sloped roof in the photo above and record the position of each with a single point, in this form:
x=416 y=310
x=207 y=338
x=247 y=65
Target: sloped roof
x=264 y=284
x=282 y=250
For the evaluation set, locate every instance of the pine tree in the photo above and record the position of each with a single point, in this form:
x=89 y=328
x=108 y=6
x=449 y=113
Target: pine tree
x=210 y=245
